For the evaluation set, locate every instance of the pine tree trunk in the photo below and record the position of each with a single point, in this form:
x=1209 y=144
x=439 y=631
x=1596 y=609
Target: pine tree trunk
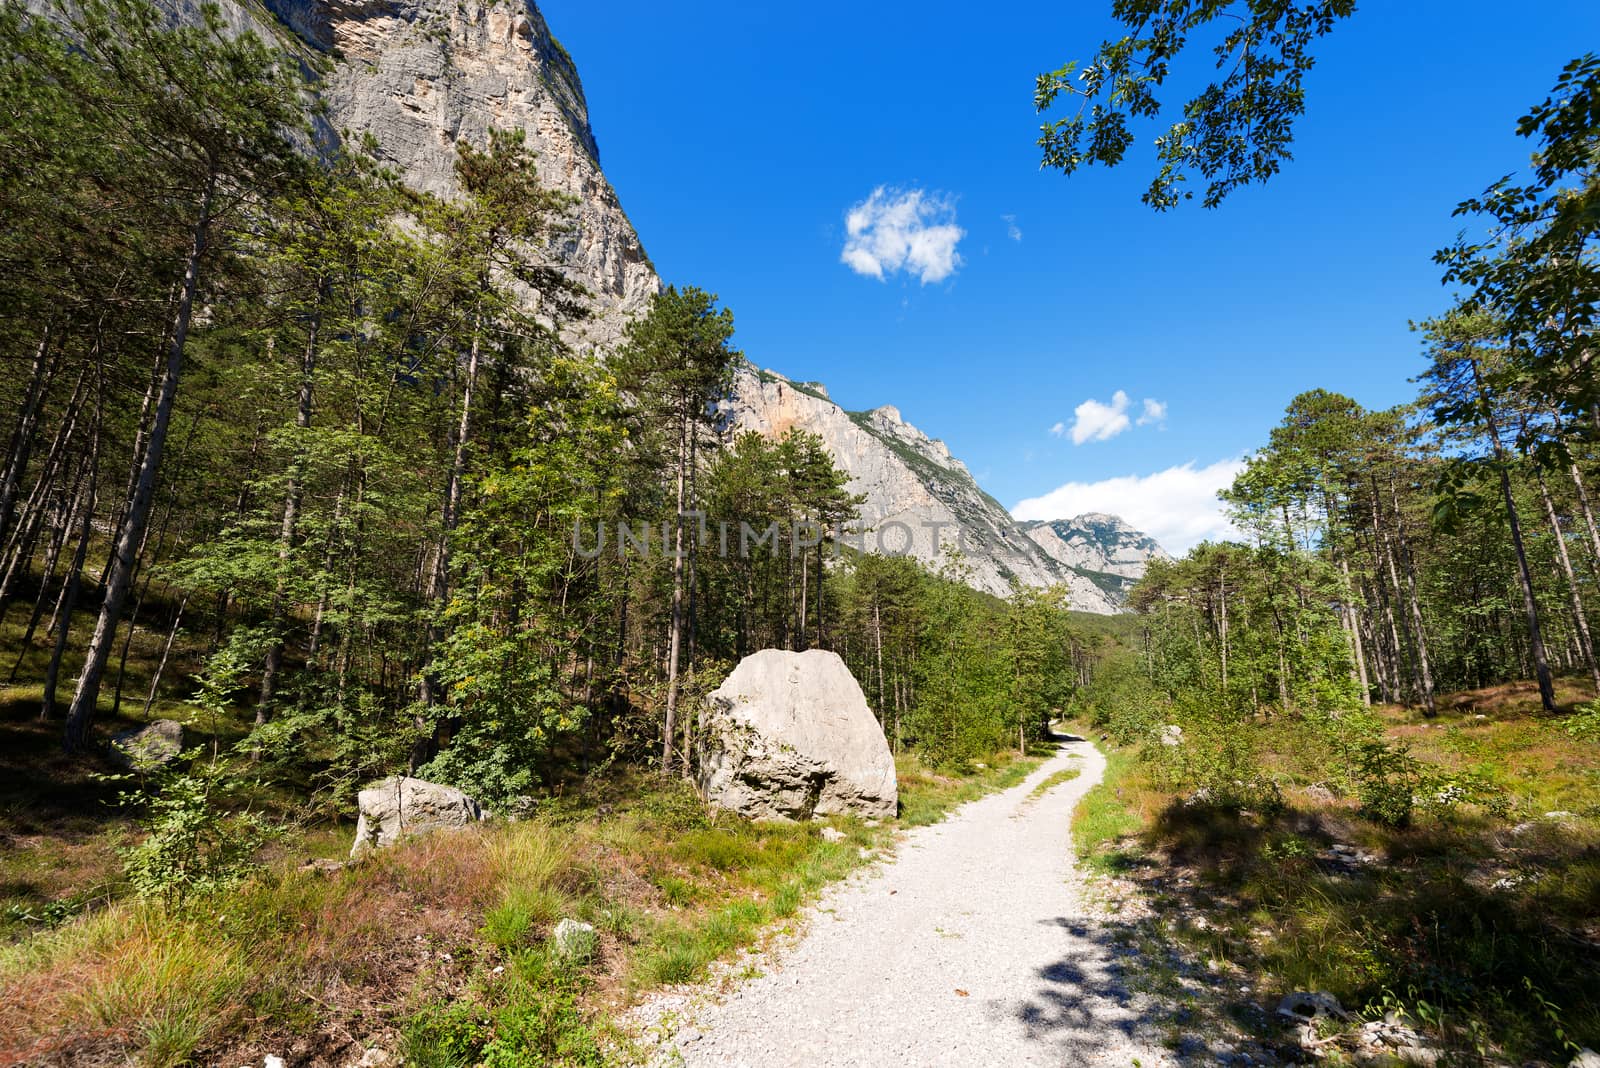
x=62 y=620
x=1530 y=604
x=1580 y=621
x=291 y=512
x=1424 y=665
x=675 y=635
x=166 y=651
x=1353 y=626
x=22 y=436
x=1588 y=514
x=81 y=714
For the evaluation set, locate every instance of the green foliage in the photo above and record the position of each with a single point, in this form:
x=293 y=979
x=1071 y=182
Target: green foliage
x=1584 y=723
x=194 y=844
x=1236 y=130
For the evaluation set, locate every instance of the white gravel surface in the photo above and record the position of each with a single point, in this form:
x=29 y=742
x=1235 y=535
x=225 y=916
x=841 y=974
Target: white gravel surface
x=974 y=945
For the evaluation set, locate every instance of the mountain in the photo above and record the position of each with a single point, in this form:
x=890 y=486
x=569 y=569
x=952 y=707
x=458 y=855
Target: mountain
x=1101 y=547
x=421 y=75
x=917 y=492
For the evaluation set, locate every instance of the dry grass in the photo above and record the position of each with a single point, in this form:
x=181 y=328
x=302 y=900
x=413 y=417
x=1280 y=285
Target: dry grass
x=416 y=946
x=1484 y=926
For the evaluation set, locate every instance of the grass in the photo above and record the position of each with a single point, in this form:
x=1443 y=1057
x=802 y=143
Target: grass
x=926 y=795
x=1051 y=781
x=440 y=949
x=1482 y=922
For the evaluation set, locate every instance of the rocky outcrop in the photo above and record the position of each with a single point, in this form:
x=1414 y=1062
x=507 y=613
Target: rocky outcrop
x=919 y=498
x=153 y=745
x=422 y=75
x=789 y=736
x=393 y=808
x=1100 y=547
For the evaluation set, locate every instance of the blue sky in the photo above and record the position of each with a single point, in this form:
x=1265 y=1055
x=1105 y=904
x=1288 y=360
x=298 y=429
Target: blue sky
x=740 y=137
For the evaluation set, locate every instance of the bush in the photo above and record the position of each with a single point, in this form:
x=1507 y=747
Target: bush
x=192 y=845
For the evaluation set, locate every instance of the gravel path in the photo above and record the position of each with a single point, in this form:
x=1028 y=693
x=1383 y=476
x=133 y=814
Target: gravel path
x=972 y=946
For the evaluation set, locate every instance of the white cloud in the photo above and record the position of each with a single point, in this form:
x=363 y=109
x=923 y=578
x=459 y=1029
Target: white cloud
x=1098 y=421
x=909 y=230
x=1013 y=231
x=1094 y=421
x=1178 y=507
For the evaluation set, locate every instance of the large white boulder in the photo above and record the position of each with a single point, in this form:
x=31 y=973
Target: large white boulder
x=790 y=736
x=393 y=808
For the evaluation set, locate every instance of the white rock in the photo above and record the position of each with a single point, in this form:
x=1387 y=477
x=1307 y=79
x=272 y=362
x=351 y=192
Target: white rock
x=831 y=835
x=574 y=940
x=789 y=736
x=1586 y=1058
x=1171 y=734
x=1306 y=1005
x=398 y=806
x=272 y=1061
x=375 y=1058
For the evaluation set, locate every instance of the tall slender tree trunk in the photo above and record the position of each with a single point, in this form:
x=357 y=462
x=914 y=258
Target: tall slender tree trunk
x=694 y=544
x=675 y=635
x=1420 y=637
x=22 y=436
x=877 y=641
x=166 y=651
x=81 y=714
x=1530 y=604
x=439 y=585
x=291 y=512
x=62 y=621
x=1353 y=626
x=1588 y=514
x=1580 y=621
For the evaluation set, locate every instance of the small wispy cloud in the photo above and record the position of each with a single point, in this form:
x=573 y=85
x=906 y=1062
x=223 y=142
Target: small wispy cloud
x=907 y=230
x=1013 y=231
x=1101 y=421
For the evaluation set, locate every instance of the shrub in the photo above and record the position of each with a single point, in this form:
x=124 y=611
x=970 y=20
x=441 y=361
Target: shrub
x=192 y=845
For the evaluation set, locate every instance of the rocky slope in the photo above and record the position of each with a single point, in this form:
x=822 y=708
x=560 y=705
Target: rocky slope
x=921 y=498
x=1101 y=547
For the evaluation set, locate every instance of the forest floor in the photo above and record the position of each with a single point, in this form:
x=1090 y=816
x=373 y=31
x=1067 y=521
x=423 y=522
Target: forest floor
x=979 y=942
x=437 y=951
x=1476 y=927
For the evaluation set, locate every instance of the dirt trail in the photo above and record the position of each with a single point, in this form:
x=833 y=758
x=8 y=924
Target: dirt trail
x=972 y=946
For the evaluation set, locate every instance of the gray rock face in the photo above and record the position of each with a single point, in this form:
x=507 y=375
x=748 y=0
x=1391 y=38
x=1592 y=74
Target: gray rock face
x=1102 y=547
x=789 y=736
x=918 y=496
x=393 y=808
x=422 y=75
x=153 y=745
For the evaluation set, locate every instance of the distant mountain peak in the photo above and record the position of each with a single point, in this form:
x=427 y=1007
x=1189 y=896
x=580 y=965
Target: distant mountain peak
x=913 y=480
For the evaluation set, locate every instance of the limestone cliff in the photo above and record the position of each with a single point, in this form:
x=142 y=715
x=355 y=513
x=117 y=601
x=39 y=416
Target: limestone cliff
x=421 y=75
x=915 y=490
x=1101 y=547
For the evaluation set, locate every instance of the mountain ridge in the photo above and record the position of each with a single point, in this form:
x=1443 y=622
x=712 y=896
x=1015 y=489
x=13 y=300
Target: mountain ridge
x=914 y=484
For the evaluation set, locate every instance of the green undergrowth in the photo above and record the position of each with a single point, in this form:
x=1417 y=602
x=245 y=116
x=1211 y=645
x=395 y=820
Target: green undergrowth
x=441 y=949
x=926 y=795
x=1476 y=920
